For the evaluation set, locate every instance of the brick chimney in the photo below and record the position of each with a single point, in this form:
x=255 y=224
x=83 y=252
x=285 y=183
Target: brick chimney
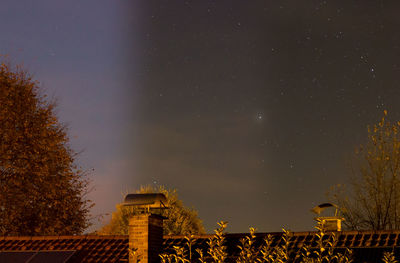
x=145 y=227
x=145 y=238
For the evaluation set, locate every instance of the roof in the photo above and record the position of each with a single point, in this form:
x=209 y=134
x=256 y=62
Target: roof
x=349 y=239
x=115 y=248
x=87 y=248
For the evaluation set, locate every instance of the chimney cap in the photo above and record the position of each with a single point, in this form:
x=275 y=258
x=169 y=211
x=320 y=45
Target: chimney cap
x=154 y=200
x=319 y=208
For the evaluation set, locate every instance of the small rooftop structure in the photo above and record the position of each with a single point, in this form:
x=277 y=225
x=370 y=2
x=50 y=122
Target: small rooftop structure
x=328 y=223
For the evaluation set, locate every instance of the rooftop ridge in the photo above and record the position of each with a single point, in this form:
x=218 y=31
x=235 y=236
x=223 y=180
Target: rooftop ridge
x=301 y=233
x=183 y=236
x=64 y=237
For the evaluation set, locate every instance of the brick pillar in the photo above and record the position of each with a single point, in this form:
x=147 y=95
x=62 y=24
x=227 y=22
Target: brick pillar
x=145 y=238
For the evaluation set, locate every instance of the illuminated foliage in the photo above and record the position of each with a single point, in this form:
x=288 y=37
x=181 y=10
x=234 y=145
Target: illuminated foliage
x=374 y=202
x=249 y=252
x=41 y=190
x=180 y=219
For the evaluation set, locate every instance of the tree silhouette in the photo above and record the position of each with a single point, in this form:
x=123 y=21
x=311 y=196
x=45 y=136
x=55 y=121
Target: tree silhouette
x=374 y=199
x=180 y=219
x=41 y=189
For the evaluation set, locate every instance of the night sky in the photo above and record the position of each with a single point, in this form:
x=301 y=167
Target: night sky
x=251 y=109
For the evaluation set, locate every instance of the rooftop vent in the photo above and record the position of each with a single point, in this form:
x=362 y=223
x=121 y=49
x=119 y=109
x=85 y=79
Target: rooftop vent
x=146 y=202
x=328 y=222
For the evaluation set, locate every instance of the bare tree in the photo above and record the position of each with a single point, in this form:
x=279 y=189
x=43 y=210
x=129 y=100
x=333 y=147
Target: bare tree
x=373 y=201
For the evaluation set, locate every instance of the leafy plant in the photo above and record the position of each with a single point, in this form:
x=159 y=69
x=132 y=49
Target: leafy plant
x=217 y=248
x=266 y=251
x=325 y=250
x=248 y=252
x=269 y=251
x=388 y=257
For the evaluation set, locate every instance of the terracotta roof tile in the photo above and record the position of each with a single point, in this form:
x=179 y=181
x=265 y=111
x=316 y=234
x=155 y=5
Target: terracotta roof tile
x=99 y=250
x=115 y=248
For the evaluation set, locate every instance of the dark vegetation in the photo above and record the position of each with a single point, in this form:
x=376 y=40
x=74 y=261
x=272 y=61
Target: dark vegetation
x=372 y=202
x=180 y=220
x=42 y=191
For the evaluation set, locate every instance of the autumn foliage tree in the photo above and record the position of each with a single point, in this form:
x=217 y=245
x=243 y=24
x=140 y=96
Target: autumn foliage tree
x=180 y=219
x=41 y=189
x=373 y=200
